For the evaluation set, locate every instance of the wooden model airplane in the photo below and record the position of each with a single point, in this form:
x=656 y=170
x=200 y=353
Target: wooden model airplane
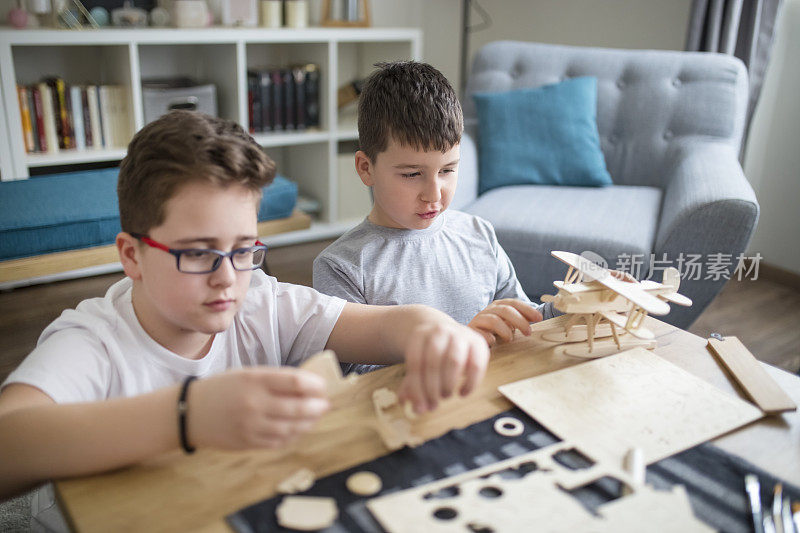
x=602 y=299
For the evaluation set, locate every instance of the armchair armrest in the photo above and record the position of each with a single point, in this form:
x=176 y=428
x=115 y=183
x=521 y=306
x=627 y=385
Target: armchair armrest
x=467 y=190
x=709 y=207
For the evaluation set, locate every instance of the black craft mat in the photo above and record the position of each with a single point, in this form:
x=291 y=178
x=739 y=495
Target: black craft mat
x=713 y=478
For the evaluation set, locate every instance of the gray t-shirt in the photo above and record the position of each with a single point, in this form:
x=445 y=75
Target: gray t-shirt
x=456 y=266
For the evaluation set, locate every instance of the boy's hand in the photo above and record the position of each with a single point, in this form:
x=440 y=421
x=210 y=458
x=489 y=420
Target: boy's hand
x=254 y=407
x=439 y=359
x=502 y=317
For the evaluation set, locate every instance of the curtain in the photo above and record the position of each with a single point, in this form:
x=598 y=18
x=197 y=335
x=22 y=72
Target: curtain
x=743 y=28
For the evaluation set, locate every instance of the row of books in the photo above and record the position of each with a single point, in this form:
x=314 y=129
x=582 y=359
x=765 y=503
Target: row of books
x=57 y=116
x=283 y=98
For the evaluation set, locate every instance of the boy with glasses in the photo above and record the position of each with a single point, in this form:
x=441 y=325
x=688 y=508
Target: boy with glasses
x=111 y=383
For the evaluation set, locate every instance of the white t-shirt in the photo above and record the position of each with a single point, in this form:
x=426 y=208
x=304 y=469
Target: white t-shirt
x=99 y=351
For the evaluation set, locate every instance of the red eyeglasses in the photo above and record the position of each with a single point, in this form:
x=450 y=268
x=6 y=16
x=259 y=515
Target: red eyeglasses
x=206 y=260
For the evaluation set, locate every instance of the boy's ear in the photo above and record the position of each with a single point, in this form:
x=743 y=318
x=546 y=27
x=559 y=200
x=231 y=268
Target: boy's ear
x=364 y=169
x=128 y=250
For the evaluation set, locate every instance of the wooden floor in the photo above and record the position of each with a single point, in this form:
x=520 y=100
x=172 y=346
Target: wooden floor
x=764 y=315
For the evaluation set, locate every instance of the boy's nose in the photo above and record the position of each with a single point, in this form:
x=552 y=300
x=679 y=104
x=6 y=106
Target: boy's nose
x=432 y=193
x=224 y=275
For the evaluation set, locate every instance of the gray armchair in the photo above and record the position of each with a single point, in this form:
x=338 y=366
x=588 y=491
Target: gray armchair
x=670 y=127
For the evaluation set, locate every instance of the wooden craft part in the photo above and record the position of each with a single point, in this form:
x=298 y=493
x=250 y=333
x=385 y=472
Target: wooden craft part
x=392 y=424
x=634 y=466
x=627 y=400
x=326 y=364
x=600 y=305
x=364 y=483
x=306 y=513
x=508 y=426
x=751 y=376
x=300 y=481
x=533 y=491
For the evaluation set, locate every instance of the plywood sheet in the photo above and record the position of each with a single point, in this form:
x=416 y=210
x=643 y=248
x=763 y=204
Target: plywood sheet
x=627 y=400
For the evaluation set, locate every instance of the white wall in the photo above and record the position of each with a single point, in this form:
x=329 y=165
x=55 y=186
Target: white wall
x=772 y=162
x=654 y=24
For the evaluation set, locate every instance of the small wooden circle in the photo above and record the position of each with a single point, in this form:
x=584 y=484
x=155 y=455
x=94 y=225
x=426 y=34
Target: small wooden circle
x=364 y=483
x=509 y=426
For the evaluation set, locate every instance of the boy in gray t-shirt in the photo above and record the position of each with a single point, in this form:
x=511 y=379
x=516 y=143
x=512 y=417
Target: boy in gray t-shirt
x=409 y=250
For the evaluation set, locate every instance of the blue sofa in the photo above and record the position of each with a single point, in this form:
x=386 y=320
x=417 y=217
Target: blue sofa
x=76 y=210
x=670 y=126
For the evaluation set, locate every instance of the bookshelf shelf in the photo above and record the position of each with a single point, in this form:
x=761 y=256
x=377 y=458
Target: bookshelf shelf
x=219 y=56
x=69 y=157
x=285 y=138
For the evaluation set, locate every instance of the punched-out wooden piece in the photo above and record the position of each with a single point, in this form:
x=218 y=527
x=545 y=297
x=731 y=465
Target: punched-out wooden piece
x=751 y=376
x=600 y=305
x=326 y=365
x=508 y=426
x=364 y=483
x=392 y=424
x=301 y=480
x=306 y=513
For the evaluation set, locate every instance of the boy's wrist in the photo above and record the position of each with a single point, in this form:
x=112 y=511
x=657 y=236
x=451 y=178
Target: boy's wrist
x=183 y=411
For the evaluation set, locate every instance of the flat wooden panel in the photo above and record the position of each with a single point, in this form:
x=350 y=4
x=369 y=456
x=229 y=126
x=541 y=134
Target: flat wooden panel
x=205 y=487
x=749 y=373
x=634 y=399
x=47 y=264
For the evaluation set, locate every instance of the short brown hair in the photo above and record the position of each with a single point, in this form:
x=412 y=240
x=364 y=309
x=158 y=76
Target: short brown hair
x=411 y=102
x=179 y=148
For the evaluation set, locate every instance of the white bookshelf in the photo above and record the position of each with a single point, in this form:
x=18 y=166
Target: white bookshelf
x=212 y=55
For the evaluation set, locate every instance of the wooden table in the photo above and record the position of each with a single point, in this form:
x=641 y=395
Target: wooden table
x=175 y=492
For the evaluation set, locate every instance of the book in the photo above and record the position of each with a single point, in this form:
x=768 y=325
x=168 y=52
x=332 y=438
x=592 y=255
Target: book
x=94 y=117
x=104 y=94
x=77 y=117
x=265 y=91
x=299 y=75
x=38 y=115
x=254 y=99
x=277 y=99
x=289 y=110
x=25 y=115
x=87 y=119
x=49 y=117
x=312 y=95
x=34 y=126
x=122 y=116
x=61 y=112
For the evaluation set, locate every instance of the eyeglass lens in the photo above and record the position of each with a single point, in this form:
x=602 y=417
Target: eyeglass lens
x=198 y=261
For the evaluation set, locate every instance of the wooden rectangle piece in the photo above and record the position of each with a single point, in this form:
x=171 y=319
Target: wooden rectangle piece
x=752 y=377
x=631 y=399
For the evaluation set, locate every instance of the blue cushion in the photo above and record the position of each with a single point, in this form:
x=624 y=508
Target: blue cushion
x=542 y=136
x=79 y=209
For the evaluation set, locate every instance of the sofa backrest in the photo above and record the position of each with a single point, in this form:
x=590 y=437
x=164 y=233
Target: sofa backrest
x=649 y=102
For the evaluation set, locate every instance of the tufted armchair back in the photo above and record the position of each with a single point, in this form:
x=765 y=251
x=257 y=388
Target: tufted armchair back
x=649 y=102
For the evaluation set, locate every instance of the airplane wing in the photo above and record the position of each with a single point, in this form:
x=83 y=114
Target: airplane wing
x=676 y=298
x=628 y=290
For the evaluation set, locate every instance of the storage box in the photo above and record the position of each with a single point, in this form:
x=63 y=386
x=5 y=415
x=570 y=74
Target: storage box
x=158 y=101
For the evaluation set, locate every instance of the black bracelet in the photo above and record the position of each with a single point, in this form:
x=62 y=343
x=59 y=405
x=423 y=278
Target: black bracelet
x=182 y=408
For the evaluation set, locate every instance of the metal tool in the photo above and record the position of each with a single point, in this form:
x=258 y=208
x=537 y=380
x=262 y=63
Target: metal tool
x=753 y=489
